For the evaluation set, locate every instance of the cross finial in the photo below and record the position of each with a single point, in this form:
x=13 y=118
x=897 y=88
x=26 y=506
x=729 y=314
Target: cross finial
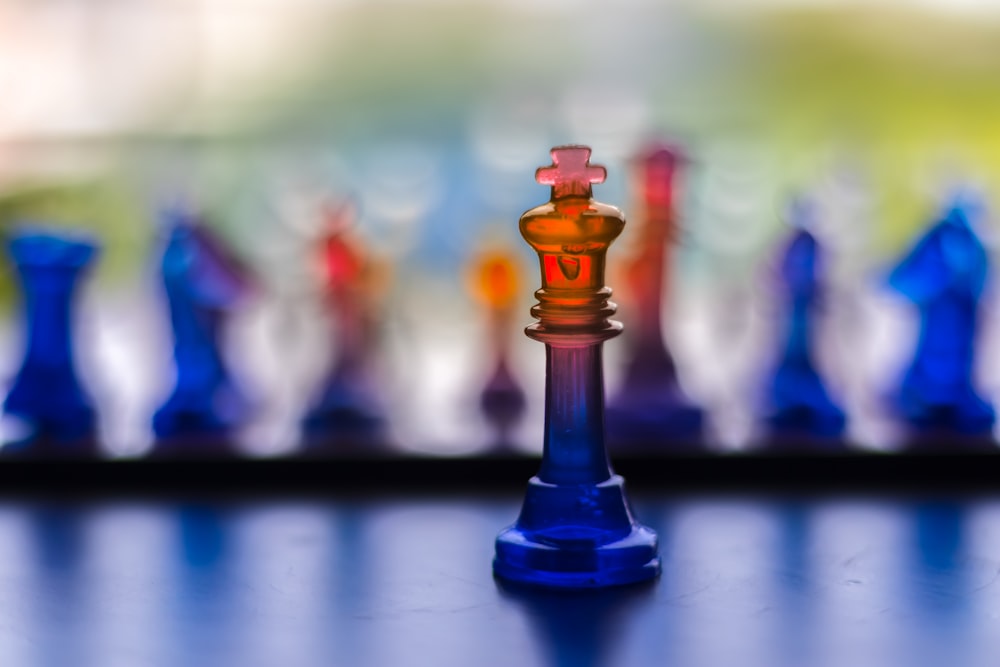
x=571 y=173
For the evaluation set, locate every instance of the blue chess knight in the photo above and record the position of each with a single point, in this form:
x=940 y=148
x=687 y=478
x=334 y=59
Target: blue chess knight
x=203 y=284
x=46 y=393
x=799 y=405
x=944 y=276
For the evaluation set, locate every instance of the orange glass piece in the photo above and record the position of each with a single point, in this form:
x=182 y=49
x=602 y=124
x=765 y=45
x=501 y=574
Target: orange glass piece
x=495 y=281
x=571 y=234
x=495 y=278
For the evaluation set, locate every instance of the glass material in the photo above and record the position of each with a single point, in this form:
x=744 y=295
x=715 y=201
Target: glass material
x=576 y=528
x=46 y=393
x=495 y=282
x=651 y=409
x=347 y=409
x=944 y=276
x=203 y=284
x=800 y=406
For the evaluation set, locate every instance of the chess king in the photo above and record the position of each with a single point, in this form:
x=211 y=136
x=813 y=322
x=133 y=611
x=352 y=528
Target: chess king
x=576 y=528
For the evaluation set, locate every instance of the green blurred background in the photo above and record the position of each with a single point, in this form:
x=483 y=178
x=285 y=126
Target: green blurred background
x=110 y=107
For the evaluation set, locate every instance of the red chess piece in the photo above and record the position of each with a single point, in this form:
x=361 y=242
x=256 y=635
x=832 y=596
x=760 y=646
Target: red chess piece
x=348 y=411
x=651 y=409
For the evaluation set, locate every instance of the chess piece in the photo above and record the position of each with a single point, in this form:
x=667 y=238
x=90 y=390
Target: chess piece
x=347 y=411
x=575 y=529
x=496 y=284
x=799 y=409
x=204 y=283
x=46 y=393
x=944 y=276
x=651 y=410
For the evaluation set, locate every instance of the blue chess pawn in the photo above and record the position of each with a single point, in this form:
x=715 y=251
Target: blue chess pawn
x=202 y=283
x=799 y=405
x=46 y=393
x=944 y=276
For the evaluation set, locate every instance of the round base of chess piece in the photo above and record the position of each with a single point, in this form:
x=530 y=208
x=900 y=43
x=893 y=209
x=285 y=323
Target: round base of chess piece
x=959 y=426
x=184 y=431
x=342 y=420
x=502 y=404
x=195 y=446
x=648 y=425
x=345 y=418
x=39 y=445
x=343 y=431
x=502 y=401
x=970 y=417
x=651 y=412
x=187 y=428
x=801 y=416
x=950 y=442
x=64 y=430
x=576 y=536
x=806 y=427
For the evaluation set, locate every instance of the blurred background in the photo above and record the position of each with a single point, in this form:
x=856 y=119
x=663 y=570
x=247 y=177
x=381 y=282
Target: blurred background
x=428 y=118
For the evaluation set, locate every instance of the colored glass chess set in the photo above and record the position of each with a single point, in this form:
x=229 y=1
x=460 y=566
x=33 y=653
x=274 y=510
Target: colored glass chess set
x=349 y=410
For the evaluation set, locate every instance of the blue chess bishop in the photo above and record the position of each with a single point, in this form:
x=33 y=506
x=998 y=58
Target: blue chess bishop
x=944 y=276
x=799 y=405
x=203 y=284
x=46 y=394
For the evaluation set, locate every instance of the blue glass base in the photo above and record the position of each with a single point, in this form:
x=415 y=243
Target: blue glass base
x=576 y=536
x=655 y=425
x=179 y=421
x=807 y=421
x=966 y=414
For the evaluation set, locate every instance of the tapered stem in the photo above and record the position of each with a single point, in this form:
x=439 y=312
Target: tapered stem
x=574 y=451
x=48 y=314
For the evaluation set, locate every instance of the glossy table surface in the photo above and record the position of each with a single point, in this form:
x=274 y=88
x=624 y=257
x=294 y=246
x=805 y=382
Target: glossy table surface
x=748 y=581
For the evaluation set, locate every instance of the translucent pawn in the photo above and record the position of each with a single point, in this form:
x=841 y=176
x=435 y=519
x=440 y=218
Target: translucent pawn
x=495 y=282
x=944 y=276
x=46 y=393
x=800 y=410
x=203 y=284
x=575 y=529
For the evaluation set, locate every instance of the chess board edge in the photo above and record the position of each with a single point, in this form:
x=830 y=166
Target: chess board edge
x=408 y=475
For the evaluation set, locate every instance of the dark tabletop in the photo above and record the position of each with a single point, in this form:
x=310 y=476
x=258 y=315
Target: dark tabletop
x=749 y=580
